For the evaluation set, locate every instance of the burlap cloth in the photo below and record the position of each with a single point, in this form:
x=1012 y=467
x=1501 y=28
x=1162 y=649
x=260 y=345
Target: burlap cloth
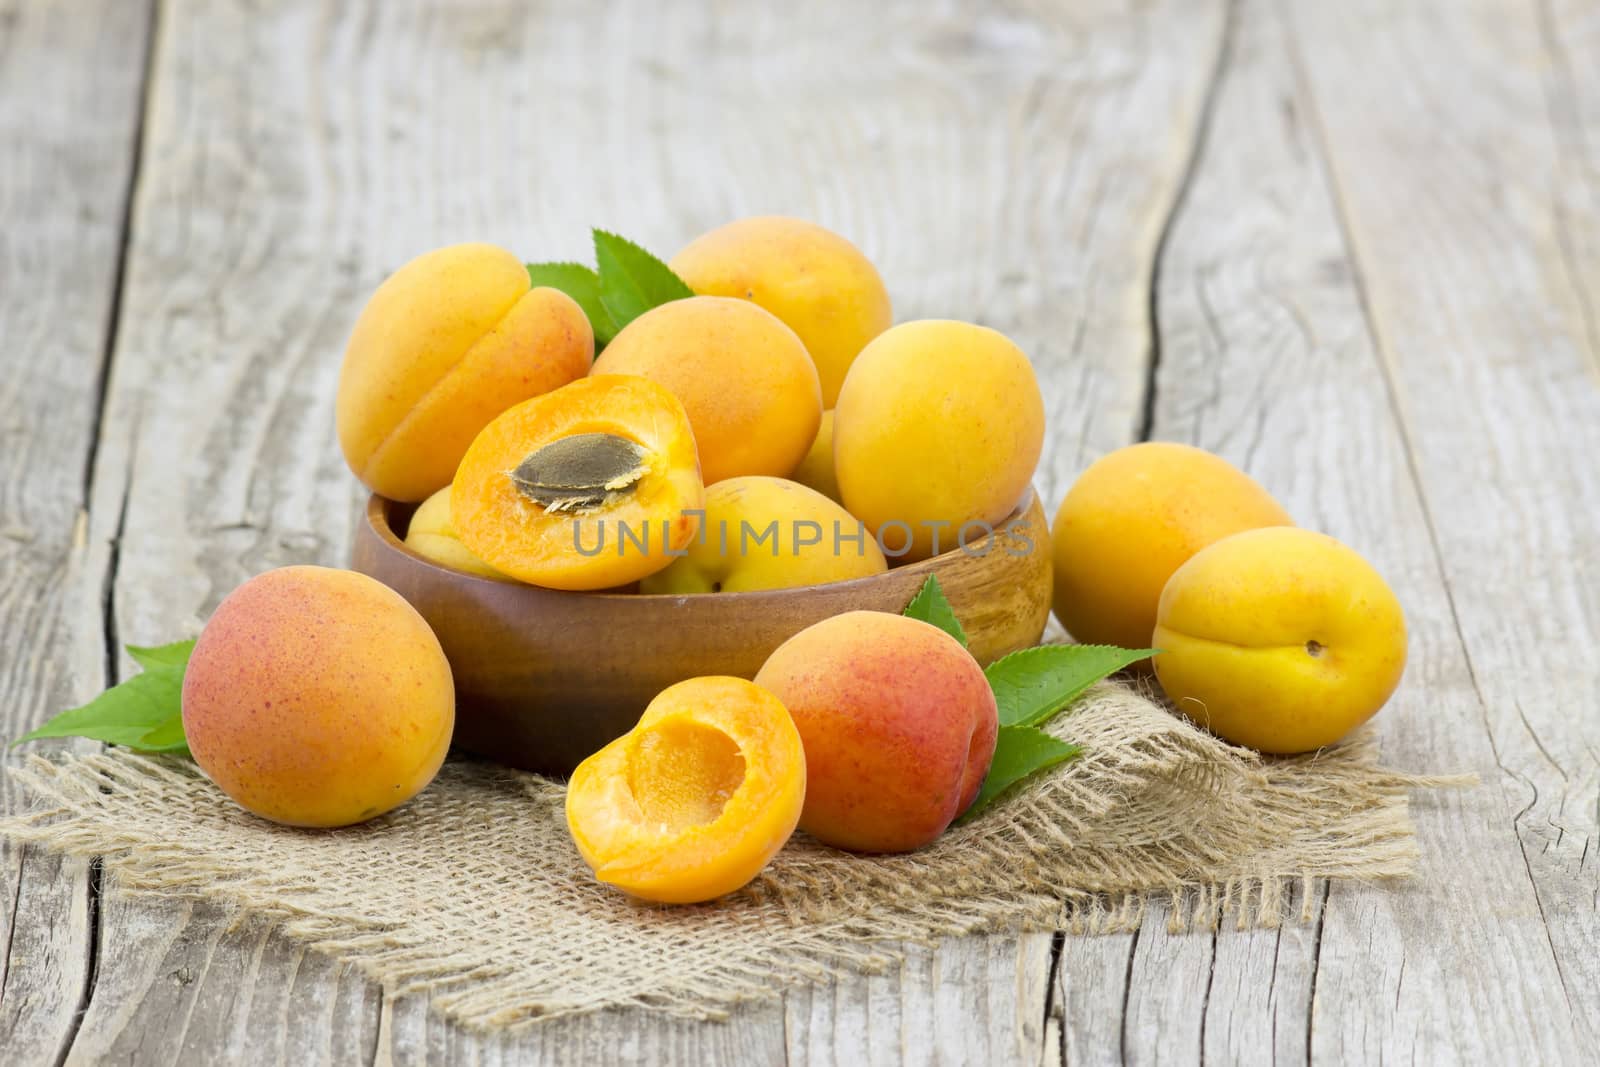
x=474 y=894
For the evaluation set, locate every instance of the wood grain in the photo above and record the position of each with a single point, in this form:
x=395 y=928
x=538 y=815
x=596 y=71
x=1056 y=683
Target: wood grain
x=298 y=155
x=70 y=84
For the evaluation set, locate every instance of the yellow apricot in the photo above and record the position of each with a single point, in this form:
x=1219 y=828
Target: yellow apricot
x=769 y=533
x=318 y=697
x=1130 y=520
x=816 y=470
x=432 y=534
x=696 y=799
x=743 y=377
x=936 y=435
x=1280 y=639
x=449 y=341
x=817 y=282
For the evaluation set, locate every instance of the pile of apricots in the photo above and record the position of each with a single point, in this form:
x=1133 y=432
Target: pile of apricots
x=780 y=392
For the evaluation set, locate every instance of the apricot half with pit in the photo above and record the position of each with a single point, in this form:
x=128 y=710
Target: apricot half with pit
x=591 y=486
x=696 y=799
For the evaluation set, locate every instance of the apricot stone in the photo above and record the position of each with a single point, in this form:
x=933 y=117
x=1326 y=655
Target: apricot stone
x=318 y=697
x=899 y=726
x=938 y=428
x=696 y=799
x=743 y=377
x=1130 y=520
x=448 y=342
x=1280 y=639
x=769 y=533
x=817 y=282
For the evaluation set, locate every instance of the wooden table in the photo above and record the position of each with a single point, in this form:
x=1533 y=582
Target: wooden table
x=1353 y=246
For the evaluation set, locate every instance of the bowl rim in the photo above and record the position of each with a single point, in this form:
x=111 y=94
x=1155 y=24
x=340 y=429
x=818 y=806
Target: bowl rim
x=377 y=517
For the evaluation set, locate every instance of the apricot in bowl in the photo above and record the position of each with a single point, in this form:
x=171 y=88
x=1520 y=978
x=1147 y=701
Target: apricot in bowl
x=546 y=677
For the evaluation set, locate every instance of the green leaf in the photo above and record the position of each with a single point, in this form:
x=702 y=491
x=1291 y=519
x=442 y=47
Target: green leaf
x=929 y=605
x=173 y=655
x=1032 y=685
x=583 y=285
x=168 y=737
x=144 y=712
x=632 y=281
x=1019 y=752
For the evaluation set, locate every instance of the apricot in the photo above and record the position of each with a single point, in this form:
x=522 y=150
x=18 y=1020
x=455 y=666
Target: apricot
x=318 y=697
x=432 y=534
x=899 y=726
x=1132 y=519
x=1280 y=639
x=769 y=533
x=448 y=342
x=817 y=282
x=816 y=469
x=696 y=799
x=936 y=435
x=591 y=486
x=743 y=377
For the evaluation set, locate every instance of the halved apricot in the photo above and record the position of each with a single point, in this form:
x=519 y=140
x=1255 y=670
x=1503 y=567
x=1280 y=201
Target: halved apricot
x=697 y=798
x=594 y=485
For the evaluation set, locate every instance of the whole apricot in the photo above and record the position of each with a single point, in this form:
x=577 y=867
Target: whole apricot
x=449 y=341
x=769 y=533
x=1132 y=519
x=432 y=534
x=816 y=469
x=318 y=697
x=936 y=435
x=817 y=282
x=696 y=799
x=743 y=377
x=899 y=726
x=591 y=486
x=1280 y=639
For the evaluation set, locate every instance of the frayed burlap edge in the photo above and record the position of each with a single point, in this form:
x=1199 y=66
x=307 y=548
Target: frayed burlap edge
x=474 y=895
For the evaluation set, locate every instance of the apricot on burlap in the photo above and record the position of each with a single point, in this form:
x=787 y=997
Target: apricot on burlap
x=474 y=894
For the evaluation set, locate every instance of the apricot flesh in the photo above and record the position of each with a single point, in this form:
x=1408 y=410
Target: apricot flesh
x=1280 y=639
x=817 y=282
x=696 y=799
x=1132 y=519
x=449 y=341
x=318 y=697
x=432 y=535
x=899 y=726
x=769 y=533
x=938 y=429
x=510 y=513
x=743 y=376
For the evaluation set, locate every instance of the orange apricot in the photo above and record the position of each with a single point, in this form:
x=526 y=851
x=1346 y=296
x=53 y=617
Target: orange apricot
x=591 y=486
x=696 y=799
x=448 y=342
x=744 y=378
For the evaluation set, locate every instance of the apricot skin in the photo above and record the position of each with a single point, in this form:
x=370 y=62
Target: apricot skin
x=318 y=697
x=743 y=376
x=817 y=282
x=938 y=422
x=899 y=725
x=816 y=469
x=449 y=341
x=727 y=557
x=696 y=799
x=1132 y=519
x=1280 y=639
x=432 y=535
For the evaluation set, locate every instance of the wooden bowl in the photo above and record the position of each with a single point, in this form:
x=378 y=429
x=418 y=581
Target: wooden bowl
x=544 y=678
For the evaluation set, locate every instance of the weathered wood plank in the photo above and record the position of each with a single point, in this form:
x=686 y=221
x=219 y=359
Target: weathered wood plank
x=70 y=99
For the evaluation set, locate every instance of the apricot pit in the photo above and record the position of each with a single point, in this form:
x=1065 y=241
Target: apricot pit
x=578 y=473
